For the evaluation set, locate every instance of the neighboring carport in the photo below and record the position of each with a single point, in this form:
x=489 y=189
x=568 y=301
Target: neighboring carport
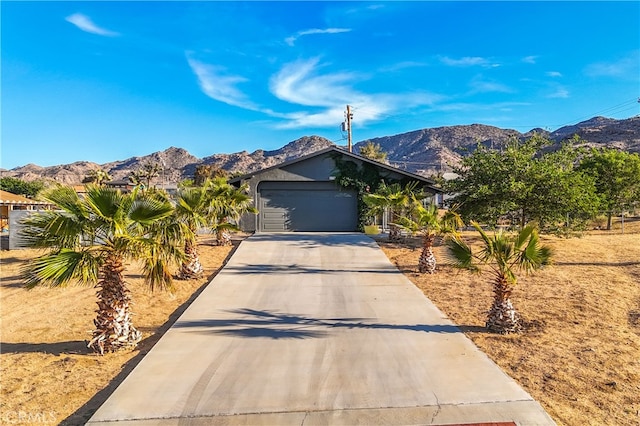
x=302 y=195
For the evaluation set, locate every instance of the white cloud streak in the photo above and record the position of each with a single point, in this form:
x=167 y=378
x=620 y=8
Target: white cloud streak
x=627 y=66
x=297 y=84
x=220 y=86
x=479 y=85
x=292 y=39
x=319 y=98
x=467 y=61
x=403 y=65
x=559 y=93
x=530 y=59
x=300 y=83
x=554 y=74
x=85 y=24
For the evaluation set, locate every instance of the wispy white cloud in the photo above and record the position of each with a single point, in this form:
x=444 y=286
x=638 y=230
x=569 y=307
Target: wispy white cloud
x=326 y=95
x=480 y=85
x=474 y=107
x=298 y=83
x=530 y=59
x=467 y=61
x=319 y=98
x=219 y=85
x=292 y=39
x=559 y=93
x=85 y=23
x=403 y=65
x=554 y=74
x=627 y=66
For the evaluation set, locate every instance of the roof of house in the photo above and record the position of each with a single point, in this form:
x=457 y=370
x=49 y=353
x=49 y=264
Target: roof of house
x=9 y=198
x=345 y=153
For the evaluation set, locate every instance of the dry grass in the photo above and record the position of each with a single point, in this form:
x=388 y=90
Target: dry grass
x=47 y=373
x=580 y=354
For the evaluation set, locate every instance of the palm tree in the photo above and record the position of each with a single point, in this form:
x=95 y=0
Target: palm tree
x=88 y=242
x=429 y=223
x=393 y=197
x=228 y=205
x=193 y=208
x=504 y=254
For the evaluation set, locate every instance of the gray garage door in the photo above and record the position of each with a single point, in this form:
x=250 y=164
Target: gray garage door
x=307 y=206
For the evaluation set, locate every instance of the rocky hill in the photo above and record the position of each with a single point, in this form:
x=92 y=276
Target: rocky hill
x=434 y=150
x=425 y=151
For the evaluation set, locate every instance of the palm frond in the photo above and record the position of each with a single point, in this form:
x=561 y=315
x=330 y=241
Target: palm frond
x=533 y=256
x=57 y=229
x=227 y=226
x=460 y=255
x=522 y=236
x=63 y=267
x=65 y=198
x=147 y=211
x=106 y=203
x=489 y=247
x=452 y=221
x=408 y=224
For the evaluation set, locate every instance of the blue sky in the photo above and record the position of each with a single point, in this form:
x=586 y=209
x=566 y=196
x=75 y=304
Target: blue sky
x=105 y=81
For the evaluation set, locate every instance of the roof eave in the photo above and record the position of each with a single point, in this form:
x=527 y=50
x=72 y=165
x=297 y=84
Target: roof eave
x=343 y=152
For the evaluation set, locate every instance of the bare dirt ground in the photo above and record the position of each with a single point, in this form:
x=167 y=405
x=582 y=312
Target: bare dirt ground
x=47 y=374
x=580 y=354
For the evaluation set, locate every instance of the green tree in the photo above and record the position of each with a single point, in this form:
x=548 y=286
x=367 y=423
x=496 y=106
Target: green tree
x=373 y=151
x=524 y=183
x=205 y=172
x=429 y=224
x=21 y=187
x=97 y=176
x=88 y=241
x=228 y=204
x=505 y=255
x=617 y=178
x=145 y=174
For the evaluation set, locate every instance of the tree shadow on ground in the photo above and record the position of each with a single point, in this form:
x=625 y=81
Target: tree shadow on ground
x=309 y=240
x=84 y=413
x=77 y=347
x=252 y=269
x=250 y=323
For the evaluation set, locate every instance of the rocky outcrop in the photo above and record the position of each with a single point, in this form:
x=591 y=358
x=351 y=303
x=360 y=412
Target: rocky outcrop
x=427 y=151
x=175 y=164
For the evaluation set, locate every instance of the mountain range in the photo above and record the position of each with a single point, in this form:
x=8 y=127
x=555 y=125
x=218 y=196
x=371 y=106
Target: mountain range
x=427 y=151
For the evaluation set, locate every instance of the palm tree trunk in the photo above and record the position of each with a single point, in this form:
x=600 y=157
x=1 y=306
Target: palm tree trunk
x=114 y=329
x=502 y=317
x=223 y=237
x=427 y=262
x=191 y=268
x=395 y=234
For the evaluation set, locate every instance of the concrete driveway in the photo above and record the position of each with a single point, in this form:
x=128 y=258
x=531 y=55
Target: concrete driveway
x=310 y=329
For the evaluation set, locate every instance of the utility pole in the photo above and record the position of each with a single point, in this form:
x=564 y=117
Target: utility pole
x=349 y=117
